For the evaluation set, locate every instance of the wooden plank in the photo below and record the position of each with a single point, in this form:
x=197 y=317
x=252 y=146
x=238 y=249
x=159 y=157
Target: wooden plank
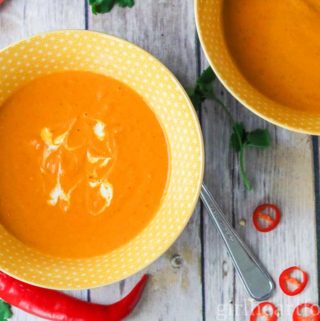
x=22 y=18
x=218 y=269
x=282 y=175
x=166 y=29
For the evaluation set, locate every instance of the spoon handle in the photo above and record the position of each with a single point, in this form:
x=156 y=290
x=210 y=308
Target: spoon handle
x=254 y=276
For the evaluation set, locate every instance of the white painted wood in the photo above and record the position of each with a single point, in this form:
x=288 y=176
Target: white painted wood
x=22 y=18
x=218 y=269
x=166 y=29
x=282 y=175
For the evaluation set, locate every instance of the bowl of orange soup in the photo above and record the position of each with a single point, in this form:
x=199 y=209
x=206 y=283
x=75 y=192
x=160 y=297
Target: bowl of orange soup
x=101 y=161
x=267 y=54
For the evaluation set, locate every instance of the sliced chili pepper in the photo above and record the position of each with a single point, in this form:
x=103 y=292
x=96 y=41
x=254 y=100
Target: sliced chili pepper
x=313 y=312
x=54 y=305
x=265 y=309
x=260 y=216
x=286 y=280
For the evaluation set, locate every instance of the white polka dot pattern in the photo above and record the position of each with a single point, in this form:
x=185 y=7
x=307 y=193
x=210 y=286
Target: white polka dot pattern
x=96 y=52
x=210 y=28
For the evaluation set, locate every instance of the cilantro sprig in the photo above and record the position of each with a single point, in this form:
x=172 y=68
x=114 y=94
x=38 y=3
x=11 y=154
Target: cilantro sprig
x=5 y=311
x=240 y=139
x=103 y=6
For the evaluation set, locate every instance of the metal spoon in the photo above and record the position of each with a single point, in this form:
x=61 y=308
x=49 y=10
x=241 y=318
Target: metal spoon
x=254 y=276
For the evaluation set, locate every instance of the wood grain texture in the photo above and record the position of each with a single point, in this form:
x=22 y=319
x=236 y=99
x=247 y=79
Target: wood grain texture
x=218 y=269
x=282 y=175
x=167 y=30
x=23 y=18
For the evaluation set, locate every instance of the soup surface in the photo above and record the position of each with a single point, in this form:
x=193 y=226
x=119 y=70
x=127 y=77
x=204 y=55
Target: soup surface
x=83 y=164
x=276 y=45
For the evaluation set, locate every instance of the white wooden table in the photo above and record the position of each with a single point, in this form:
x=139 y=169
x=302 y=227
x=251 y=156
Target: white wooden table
x=204 y=286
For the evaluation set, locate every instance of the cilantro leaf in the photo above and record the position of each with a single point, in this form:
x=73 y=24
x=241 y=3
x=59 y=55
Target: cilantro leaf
x=203 y=89
x=125 y=3
x=5 y=311
x=196 y=98
x=205 y=83
x=103 y=6
x=207 y=76
x=240 y=138
x=259 y=138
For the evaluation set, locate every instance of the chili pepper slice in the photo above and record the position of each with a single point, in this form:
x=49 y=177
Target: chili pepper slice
x=265 y=309
x=57 y=306
x=260 y=216
x=313 y=312
x=297 y=286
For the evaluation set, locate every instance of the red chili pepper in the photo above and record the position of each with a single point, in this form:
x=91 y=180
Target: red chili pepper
x=286 y=279
x=1 y=1
x=54 y=305
x=260 y=215
x=313 y=312
x=265 y=309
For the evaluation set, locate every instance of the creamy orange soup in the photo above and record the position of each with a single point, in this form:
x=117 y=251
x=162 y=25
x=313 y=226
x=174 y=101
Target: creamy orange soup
x=276 y=45
x=83 y=164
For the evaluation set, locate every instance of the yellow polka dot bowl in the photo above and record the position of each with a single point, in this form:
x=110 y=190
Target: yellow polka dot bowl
x=96 y=52
x=210 y=29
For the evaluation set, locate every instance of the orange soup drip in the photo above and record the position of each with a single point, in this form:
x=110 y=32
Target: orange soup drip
x=83 y=164
x=276 y=45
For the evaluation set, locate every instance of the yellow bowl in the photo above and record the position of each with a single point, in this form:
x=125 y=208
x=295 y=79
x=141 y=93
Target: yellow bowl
x=96 y=52
x=210 y=29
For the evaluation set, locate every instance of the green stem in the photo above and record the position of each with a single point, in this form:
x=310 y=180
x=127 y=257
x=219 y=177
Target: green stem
x=243 y=173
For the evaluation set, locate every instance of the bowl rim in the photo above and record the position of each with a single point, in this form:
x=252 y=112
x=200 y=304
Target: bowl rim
x=235 y=94
x=199 y=133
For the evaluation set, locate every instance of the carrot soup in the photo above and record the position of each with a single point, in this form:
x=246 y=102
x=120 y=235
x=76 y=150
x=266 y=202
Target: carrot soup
x=84 y=164
x=276 y=46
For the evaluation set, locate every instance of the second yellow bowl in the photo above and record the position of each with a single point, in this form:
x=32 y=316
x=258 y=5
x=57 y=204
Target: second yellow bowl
x=210 y=28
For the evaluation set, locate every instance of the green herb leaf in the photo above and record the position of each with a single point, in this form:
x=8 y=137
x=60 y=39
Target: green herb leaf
x=207 y=76
x=203 y=89
x=5 y=311
x=259 y=138
x=103 y=6
x=205 y=83
x=240 y=138
x=196 y=98
x=125 y=3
